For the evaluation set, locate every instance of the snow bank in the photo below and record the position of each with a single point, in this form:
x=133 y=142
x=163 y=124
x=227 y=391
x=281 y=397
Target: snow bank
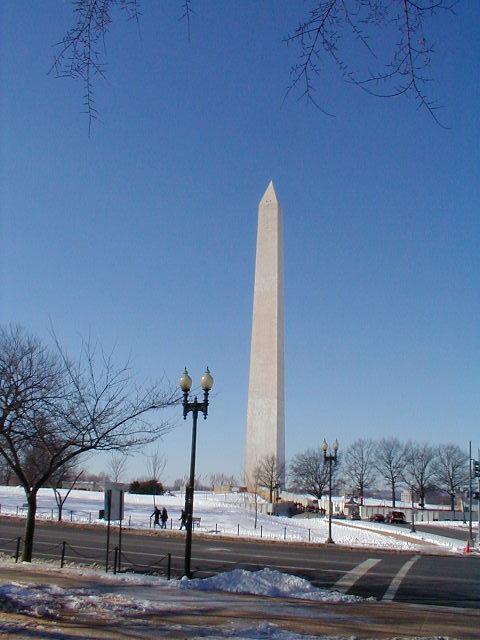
x=266 y=582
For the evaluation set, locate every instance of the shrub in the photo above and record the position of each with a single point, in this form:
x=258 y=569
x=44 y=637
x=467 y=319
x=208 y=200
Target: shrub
x=150 y=487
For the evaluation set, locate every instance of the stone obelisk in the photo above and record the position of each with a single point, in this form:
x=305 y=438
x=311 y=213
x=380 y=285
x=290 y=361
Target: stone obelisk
x=265 y=413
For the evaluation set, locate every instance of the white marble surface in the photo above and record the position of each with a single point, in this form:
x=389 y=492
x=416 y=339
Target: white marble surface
x=265 y=413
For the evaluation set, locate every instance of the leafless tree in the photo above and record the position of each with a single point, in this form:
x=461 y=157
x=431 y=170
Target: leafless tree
x=254 y=485
x=450 y=470
x=222 y=479
x=269 y=473
x=390 y=461
x=65 y=409
x=331 y=28
x=180 y=483
x=116 y=465
x=358 y=465
x=62 y=482
x=155 y=463
x=308 y=472
x=35 y=457
x=419 y=471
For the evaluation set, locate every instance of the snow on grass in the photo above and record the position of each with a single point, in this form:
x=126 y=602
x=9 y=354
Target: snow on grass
x=225 y=514
x=266 y=582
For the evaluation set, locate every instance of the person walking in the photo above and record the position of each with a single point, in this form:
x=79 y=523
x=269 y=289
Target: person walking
x=183 y=519
x=156 y=517
x=164 y=518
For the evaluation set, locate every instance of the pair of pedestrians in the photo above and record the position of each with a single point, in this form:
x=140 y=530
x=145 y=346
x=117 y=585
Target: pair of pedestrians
x=160 y=516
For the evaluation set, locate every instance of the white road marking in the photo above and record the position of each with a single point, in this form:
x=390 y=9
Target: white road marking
x=349 y=579
x=391 y=592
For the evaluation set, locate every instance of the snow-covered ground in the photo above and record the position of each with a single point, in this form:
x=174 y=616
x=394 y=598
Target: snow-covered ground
x=228 y=514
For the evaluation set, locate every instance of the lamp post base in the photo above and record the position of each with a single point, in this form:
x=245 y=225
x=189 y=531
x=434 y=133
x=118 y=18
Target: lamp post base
x=329 y=541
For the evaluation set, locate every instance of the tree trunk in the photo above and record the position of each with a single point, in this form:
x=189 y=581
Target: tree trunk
x=29 y=526
x=393 y=495
x=60 y=511
x=271 y=493
x=421 y=502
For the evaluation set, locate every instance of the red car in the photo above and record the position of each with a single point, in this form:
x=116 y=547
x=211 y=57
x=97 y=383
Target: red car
x=377 y=517
x=396 y=517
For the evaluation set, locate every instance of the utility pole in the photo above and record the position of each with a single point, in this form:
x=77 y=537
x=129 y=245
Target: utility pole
x=477 y=473
x=470 y=487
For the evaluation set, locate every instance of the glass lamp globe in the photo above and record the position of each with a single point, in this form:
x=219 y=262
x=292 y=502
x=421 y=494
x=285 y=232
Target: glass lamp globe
x=207 y=380
x=324 y=445
x=185 y=381
x=335 y=445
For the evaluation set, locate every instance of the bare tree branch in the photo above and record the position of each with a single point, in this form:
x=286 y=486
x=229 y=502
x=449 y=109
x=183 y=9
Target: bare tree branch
x=450 y=470
x=155 y=463
x=269 y=473
x=308 y=472
x=393 y=33
x=116 y=465
x=390 y=461
x=402 y=72
x=358 y=465
x=419 y=471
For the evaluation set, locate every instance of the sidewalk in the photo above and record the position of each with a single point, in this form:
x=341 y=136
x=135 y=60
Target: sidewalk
x=114 y=610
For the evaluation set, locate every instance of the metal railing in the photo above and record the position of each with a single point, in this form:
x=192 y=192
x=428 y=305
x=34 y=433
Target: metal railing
x=84 y=555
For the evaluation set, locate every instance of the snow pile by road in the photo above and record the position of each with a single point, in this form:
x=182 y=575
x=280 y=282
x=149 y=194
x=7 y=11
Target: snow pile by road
x=266 y=582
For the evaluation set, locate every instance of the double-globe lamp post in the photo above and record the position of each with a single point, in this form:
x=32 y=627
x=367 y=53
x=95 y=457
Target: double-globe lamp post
x=194 y=408
x=330 y=459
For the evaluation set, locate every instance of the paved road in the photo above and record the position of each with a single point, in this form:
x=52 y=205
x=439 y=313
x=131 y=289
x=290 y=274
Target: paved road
x=400 y=577
x=456 y=533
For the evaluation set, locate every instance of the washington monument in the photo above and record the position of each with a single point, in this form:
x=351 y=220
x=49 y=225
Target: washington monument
x=265 y=413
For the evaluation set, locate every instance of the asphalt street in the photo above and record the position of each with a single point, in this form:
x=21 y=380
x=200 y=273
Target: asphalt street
x=456 y=533
x=386 y=576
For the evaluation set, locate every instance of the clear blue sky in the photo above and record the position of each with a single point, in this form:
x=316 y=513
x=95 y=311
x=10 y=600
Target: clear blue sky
x=144 y=234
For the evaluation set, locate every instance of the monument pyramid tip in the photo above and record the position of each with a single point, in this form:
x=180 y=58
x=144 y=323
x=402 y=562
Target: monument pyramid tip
x=270 y=193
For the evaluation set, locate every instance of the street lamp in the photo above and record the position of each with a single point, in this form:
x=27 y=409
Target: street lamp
x=412 y=524
x=195 y=408
x=331 y=459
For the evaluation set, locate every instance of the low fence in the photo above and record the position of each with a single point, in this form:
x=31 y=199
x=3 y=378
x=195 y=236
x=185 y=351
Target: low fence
x=116 y=560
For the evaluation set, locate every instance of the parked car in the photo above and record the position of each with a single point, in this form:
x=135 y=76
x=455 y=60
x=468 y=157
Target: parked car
x=310 y=508
x=377 y=517
x=396 y=517
x=339 y=516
